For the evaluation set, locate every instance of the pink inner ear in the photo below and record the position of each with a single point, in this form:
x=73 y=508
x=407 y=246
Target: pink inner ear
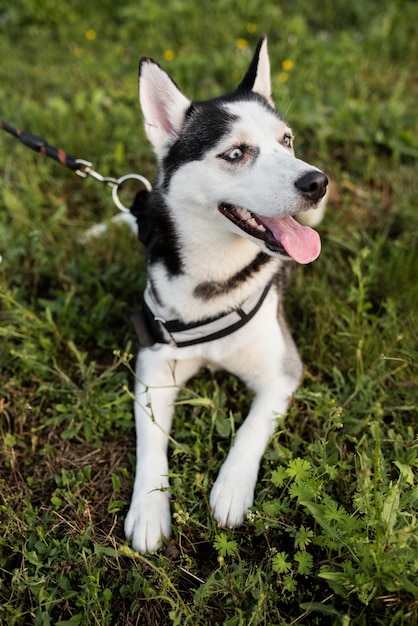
x=163 y=104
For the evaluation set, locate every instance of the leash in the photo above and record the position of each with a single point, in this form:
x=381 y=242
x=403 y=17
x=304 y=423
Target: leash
x=81 y=167
x=149 y=327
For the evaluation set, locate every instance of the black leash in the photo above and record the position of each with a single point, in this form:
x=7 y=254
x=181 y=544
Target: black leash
x=149 y=328
x=79 y=166
x=39 y=145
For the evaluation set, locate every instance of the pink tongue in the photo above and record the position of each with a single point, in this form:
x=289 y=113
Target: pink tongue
x=301 y=243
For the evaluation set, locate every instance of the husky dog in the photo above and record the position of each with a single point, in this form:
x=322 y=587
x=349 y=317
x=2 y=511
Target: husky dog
x=219 y=230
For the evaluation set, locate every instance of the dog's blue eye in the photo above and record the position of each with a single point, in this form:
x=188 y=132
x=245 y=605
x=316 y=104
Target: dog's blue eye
x=234 y=154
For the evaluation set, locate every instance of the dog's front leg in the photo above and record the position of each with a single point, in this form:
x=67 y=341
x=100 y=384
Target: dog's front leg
x=233 y=491
x=158 y=382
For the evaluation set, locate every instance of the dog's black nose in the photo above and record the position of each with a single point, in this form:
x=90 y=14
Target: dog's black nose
x=312 y=185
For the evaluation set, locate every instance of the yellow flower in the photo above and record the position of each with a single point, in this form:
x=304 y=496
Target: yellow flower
x=242 y=44
x=283 y=77
x=91 y=34
x=251 y=27
x=287 y=65
x=169 y=55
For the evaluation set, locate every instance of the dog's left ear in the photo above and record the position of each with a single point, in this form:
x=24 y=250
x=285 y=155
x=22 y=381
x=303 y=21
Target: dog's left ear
x=257 y=78
x=163 y=105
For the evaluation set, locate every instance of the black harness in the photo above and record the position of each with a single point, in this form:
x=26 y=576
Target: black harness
x=151 y=328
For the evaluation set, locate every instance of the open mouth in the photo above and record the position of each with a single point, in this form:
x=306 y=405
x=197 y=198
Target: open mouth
x=281 y=235
x=251 y=224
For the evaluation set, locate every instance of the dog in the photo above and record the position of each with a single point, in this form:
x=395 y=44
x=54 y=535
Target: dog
x=219 y=233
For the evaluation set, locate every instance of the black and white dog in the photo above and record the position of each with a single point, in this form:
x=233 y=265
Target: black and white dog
x=220 y=229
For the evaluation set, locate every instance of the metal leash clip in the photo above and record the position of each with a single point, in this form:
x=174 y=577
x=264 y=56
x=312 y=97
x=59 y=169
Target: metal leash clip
x=79 y=166
x=114 y=183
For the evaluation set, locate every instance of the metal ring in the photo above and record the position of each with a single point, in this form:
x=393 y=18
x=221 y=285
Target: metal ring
x=121 y=180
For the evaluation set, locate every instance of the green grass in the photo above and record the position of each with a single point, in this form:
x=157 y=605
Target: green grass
x=333 y=535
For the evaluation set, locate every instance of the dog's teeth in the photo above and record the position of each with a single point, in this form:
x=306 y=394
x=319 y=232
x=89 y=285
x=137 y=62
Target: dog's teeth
x=245 y=214
x=254 y=224
x=250 y=220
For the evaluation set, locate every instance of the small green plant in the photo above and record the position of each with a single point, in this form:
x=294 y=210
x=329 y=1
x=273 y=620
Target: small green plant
x=367 y=540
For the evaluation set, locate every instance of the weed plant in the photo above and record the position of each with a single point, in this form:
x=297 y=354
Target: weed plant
x=332 y=538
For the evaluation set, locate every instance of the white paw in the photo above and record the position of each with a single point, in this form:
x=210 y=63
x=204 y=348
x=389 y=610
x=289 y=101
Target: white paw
x=148 y=521
x=230 y=499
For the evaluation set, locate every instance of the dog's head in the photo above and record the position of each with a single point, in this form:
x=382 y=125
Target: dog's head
x=232 y=157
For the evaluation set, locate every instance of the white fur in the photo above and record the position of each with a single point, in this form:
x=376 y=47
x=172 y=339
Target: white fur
x=262 y=83
x=270 y=368
x=269 y=184
x=262 y=352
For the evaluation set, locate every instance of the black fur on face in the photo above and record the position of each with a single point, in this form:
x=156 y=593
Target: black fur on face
x=206 y=123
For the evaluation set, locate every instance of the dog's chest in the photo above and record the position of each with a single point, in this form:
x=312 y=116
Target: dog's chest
x=203 y=291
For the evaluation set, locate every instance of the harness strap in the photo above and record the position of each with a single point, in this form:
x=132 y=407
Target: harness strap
x=152 y=329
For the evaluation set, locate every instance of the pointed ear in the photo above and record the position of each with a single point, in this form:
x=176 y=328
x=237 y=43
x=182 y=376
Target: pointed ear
x=163 y=105
x=257 y=78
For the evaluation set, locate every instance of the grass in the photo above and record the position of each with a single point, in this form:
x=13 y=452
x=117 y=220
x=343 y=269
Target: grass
x=332 y=538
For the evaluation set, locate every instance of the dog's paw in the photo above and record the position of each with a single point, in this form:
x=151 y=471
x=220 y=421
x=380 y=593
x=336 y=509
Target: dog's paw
x=148 y=521
x=230 y=500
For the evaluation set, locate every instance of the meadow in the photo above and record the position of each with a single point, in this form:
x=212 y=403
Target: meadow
x=332 y=538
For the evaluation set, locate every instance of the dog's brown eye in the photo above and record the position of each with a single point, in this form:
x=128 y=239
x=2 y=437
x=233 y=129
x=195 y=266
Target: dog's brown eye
x=288 y=140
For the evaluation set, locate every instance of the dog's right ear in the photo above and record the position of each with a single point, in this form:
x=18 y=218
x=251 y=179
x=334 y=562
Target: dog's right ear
x=257 y=77
x=163 y=105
